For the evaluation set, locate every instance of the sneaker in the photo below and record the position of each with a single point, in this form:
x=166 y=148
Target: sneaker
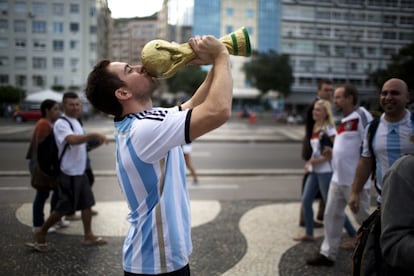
x=62 y=223
x=320 y=260
x=72 y=217
x=37 y=229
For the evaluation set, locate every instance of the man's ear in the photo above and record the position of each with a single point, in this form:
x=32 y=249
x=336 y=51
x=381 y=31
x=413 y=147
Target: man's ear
x=122 y=94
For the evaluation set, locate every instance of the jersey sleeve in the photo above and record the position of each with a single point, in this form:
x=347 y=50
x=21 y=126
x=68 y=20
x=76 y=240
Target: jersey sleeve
x=156 y=137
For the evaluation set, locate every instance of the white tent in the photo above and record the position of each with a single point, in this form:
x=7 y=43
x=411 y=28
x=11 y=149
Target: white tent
x=40 y=96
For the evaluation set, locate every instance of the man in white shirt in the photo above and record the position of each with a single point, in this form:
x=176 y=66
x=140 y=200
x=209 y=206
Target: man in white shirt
x=345 y=154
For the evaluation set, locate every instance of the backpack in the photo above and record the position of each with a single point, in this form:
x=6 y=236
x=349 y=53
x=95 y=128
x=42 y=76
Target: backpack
x=48 y=158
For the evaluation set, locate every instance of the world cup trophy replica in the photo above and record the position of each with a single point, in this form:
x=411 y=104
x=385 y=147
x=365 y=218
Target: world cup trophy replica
x=162 y=59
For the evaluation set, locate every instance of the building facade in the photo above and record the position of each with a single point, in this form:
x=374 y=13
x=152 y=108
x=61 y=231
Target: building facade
x=51 y=43
x=340 y=40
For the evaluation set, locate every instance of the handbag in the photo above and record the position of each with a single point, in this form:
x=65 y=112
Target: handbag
x=41 y=181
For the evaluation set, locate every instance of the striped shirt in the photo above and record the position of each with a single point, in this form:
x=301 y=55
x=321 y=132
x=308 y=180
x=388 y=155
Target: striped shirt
x=391 y=141
x=152 y=176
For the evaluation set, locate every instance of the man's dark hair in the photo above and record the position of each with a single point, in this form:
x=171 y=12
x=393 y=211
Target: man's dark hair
x=70 y=95
x=101 y=87
x=46 y=105
x=350 y=90
x=324 y=81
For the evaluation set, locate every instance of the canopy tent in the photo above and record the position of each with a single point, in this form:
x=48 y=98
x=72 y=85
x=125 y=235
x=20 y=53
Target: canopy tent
x=40 y=96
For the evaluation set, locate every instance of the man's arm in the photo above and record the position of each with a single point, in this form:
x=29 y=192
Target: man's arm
x=362 y=174
x=75 y=139
x=215 y=110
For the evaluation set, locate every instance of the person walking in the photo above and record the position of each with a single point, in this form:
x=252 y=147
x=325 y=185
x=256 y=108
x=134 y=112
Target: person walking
x=392 y=138
x=318 y=166
x=74 y=190
x=345 y=153
x=50 y=112
x=324 y=92
x=150 y=164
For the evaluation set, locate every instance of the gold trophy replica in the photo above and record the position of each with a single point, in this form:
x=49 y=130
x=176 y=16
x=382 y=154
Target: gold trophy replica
x=162 y=59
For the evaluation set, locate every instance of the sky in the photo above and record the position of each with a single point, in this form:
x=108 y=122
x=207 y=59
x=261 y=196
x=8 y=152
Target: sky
x=133 y=8
x=141 y=8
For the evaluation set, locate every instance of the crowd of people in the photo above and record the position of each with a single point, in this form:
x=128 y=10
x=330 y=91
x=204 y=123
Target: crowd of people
x=151 y=167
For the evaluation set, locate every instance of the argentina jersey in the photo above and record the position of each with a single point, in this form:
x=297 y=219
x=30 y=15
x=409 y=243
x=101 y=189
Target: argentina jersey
x=152 y=175
x=391 y=141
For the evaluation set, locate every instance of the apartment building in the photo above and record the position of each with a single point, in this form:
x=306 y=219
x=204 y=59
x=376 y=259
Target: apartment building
x=341 y=40
x=46 y=43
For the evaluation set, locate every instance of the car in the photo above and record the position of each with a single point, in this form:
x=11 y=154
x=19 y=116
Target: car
x=26 y=115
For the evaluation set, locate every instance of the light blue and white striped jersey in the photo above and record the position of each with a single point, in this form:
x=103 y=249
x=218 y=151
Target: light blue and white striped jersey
x=152 y=174
x=391 y=141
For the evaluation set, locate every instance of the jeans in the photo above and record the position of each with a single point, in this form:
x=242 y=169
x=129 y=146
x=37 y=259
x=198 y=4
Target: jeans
x=39 y=202
x=314 y=183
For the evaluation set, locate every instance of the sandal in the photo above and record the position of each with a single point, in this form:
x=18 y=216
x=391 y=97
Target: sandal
x=39 y=247
x=94 y=242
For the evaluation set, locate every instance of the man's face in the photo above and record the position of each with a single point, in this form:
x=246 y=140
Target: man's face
x=394 y=97
x=137 y=81
x=340 y=100
x=325 y=92
x=72 y=107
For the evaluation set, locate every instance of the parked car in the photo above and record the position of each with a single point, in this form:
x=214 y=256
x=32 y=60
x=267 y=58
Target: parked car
x=27 y=115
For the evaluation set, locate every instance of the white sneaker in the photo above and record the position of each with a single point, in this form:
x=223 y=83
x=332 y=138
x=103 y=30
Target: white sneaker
x=37 y=229
x=62 y=223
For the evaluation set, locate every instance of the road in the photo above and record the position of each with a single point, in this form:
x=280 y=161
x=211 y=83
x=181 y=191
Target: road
x=206 y=156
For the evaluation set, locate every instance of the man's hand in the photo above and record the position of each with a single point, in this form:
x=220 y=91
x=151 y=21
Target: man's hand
x=353 y=202
x=207 y=49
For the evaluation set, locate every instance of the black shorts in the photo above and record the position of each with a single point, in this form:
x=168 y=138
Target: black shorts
x=75 y=194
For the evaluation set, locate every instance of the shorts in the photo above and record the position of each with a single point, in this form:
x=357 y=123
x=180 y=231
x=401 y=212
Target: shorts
x=75 y=194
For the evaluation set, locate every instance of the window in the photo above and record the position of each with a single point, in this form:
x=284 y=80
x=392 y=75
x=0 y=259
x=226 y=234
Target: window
x=4 y=61
x=58 y=27
x=4 y=26
x=406 y=36
x=372 y=51
x=4 y=79
x=21 y=80
x=58 y=9
x=39 y=8
x=74 y=62
x=58 y=45
x=74 y=44
x=74 y=27
x=4 y=42
x=20 y=7
x=406 y=20
x=57 y=80
x=229 y=12
x=39 y=45
x=19 y=26
x=74 y=8
x=39 y=63
x=58 y=63
x=390 y=35
x=249 y=13
x=92 y=11
x=229 y=29
x=340 y=51
x=39 y=27
x=20 y=62
x=4 y=5
x=20 y=43
x=93 y=29
x=38 y=80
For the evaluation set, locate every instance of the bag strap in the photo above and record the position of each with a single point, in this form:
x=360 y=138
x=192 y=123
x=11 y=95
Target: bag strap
x=66 y=145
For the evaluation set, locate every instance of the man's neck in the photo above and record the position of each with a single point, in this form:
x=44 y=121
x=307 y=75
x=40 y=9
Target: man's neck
x=393 y=118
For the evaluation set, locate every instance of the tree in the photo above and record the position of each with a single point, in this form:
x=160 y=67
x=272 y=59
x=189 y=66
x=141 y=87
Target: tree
x=269 y=71
x=401 y=66
x=11 y=94
x=187 y=80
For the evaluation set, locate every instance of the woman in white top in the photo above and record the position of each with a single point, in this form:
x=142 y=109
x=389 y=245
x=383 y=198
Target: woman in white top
x=319 y=165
